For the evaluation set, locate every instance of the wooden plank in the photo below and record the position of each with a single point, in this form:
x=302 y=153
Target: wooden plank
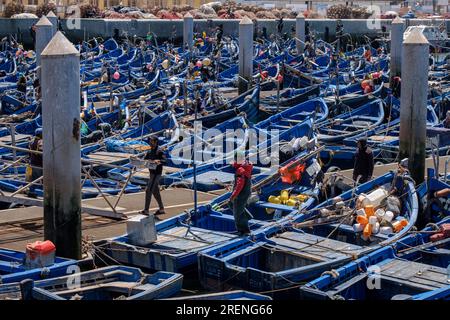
x=415 y=273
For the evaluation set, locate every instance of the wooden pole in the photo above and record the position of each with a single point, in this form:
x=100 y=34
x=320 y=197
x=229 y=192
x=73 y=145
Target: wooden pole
x=398 y=27
x=245 y=54
x=61 y=141
x=413 y=110
x=300 y=32
x=188 y=31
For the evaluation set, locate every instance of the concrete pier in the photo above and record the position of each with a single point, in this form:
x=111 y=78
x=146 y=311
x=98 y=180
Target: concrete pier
x=44 y=33
x=398 y=27
x=188 y=31
x=245 y=54
x=300 y=32
x=54 y=20
x=413 y=111
x=61 y=135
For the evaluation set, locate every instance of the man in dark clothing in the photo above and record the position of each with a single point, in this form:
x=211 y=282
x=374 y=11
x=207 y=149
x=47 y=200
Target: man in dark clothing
x=33 y=34
x=35 y=160
x=396 y=86
x=158 y=158
x=22 y=85
x=280 y=25
x=447 y=120
x=219 y=34
x=242 y=191
x=363 y=162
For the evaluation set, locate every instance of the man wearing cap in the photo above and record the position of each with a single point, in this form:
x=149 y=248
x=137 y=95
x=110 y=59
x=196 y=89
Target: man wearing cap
x=36 y=159
x=363 y=168
x=241 y=192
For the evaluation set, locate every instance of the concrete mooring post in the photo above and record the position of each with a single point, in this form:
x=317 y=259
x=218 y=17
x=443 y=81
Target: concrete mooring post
x=61 y=141
x=413 y=111
x=398 y=26
x=245 y=54
x=188 y=31
x=44 y=33
x=54 y=20
x=300 y=32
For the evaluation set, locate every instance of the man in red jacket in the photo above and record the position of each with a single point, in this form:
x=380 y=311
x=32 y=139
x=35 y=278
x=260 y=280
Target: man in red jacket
x=242 y=190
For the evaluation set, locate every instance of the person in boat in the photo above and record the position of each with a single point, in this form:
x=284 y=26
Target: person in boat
x=242 y=190
x=396 y=86
x=219 y=34
x=435 y=207
x=363 y=169
x=280 y=26
x=36 y=162
x=445 y=106
x=37 y=88
x=447 y=120
x=157 y=158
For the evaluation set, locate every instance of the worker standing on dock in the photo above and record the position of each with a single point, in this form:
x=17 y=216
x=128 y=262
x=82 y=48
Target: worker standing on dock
x=157 y=159
x=363 y=168
x=35 y=160
x=241 y=193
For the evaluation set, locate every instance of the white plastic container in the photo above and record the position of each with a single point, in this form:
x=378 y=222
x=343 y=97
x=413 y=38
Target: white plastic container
x=376 y=228
x=373 y=220
x=141 y=230
x=357 y=227
x=388 y=216
x=361 y=212
x=375 y=197
x=380 y=214
x=340 y=204
x=386 y=230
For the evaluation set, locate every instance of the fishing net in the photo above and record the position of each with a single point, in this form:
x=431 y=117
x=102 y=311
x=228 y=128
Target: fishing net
x=113 y=145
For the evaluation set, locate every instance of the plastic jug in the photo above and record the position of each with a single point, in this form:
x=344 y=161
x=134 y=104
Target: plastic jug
x=388 y=216
x=380 y=214
x=386 y=230
x=375 y=197
x=367 y=232
x=362 y=220
x=370 y=210
x=399 y=225
x=357 y=227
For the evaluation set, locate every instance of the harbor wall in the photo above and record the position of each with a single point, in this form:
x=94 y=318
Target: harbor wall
x=79 y=29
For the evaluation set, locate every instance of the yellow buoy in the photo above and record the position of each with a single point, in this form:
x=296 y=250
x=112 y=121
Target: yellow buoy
x=291 y=202
x=275 y=200
x=284 y=196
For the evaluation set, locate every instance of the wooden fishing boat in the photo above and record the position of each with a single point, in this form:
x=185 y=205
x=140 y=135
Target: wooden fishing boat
x=14 y=269
x=415 y=267
x=281 y=257
x=229 y=295
x=352 y=122
x=247 y=103
x=316 y=109
x=180 y=238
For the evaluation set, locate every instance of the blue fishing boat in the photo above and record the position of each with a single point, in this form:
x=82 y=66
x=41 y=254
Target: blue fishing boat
x=316 y=109
x=281 y=257
x=108 y=283
x=413 y=267
x=14 y=269
x=229 y=295
x=352 y=122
